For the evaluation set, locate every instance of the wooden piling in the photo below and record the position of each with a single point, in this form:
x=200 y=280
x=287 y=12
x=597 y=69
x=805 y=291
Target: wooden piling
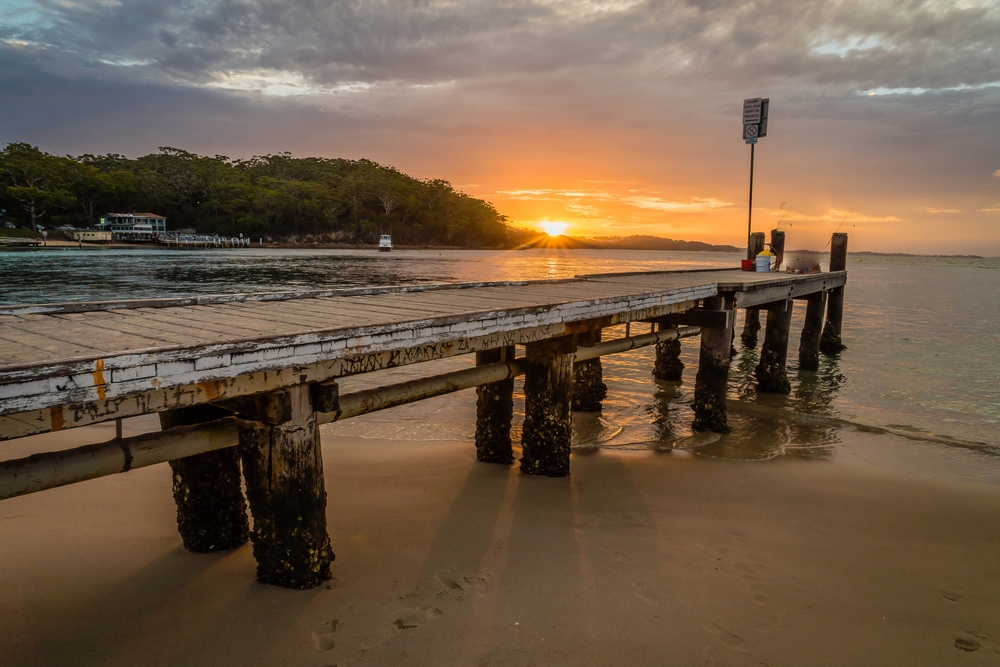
x=778 y=247
x=589 y=389
x=494 y=409
x=546 y=436
x=751 y=322
x=811 y=332
x=211 y=510
x=755 y=245
x=667 y=365
x=283 y=466
x=711 y=382
x=770 y=372
x=832 y=341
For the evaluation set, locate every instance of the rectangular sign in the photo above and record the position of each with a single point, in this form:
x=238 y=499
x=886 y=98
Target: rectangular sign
x=751 y=110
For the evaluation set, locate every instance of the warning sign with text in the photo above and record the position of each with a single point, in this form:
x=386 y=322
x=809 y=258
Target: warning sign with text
x=751 y=111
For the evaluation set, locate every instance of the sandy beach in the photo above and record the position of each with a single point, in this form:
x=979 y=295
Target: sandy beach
x=638 y=559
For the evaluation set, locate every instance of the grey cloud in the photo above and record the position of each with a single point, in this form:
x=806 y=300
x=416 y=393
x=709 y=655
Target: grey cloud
x=915 y=44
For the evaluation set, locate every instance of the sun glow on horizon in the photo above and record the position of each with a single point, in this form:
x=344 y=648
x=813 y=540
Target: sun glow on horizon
x=554 y=228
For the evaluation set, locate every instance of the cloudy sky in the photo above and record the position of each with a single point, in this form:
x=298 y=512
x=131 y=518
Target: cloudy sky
x=617 y=117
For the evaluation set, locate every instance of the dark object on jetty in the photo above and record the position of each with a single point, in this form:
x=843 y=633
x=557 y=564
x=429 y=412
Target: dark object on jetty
x=668 y=365
x=547 y=433
x=770 y=371
x=494 y=411
x=211 y=510
x=712 y=380
x=832 y=341
x=751 y=322
x=283 y=464
x=589 y=390
x=778 y=248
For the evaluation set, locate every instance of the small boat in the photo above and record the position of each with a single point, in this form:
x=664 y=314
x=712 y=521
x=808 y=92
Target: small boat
x=385 y=243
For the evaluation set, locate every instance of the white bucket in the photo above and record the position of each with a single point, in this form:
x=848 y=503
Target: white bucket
x=763 y=264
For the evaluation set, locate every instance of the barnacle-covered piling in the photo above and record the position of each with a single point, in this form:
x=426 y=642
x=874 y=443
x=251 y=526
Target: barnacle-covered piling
x=546 y=436
x=211 y=510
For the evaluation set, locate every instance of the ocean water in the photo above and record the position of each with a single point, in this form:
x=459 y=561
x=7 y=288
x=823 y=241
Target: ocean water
x=917 y=390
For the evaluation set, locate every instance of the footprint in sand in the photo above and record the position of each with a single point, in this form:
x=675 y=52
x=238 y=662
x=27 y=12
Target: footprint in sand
x=737 y=535
x=324 y=635
x=629 y=521
x=616 y=556
x=417 y=617
x=966 y=641
x=456 y=587
x=728 y=639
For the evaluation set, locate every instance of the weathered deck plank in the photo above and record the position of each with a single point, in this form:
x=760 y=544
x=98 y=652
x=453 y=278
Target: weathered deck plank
x=73 y=333
x=121 y=324
x=298 y=315
x=141 y=319
x=51 y=347
x=220 y=322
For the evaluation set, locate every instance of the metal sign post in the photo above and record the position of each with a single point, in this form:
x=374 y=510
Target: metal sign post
x=754 y=127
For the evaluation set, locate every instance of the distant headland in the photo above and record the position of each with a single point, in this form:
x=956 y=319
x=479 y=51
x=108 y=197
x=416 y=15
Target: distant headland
x=642 y=242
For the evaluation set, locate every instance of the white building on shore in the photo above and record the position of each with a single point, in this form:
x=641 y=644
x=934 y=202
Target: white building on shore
x=134 y=226
x=89 y=235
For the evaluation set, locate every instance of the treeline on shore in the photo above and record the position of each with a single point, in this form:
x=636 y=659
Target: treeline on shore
x=279 y=197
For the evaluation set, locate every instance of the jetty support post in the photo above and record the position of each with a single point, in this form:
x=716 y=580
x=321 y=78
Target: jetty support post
x=770 y=372
x=778 y=248
x=832 y=341
x=211 y=510
x=589 y=389
x=711 y=382
x=283 y=467
x=494 y=410
x=751 y=322
x=546 y=436
x=811 y=330
x=667 y=365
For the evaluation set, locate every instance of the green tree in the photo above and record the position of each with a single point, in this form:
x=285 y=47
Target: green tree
x=36 y=180
x=91 y=189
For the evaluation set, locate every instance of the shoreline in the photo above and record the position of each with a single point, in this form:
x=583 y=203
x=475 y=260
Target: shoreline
x=638 y=558
x=374 y=248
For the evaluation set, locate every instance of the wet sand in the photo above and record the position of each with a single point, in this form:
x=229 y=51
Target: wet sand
x=638 y=559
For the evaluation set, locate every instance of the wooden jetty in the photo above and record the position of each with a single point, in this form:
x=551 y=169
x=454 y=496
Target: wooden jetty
x=19 y=242
x=190 y=241
x=242 y=382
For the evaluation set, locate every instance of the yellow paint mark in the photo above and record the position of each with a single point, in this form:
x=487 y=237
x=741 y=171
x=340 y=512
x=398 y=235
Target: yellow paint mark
x=211 y=393
x=155 y=382
x=99 y=379
x=56 y=418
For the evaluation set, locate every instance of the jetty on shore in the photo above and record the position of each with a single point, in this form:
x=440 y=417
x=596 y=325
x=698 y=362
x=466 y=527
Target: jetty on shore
x=19 y=242
x=188 y=241
x=242 y=382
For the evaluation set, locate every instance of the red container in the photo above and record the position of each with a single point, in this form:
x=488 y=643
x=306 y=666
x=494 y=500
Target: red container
x=747 y=264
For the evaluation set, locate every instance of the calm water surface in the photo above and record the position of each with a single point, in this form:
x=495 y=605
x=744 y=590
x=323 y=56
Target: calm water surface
x=917 y=390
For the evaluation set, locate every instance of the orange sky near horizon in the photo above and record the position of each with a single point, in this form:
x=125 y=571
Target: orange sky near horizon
x=701 y=195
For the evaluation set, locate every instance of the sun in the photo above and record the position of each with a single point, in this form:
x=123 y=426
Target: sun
x=554 y=228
